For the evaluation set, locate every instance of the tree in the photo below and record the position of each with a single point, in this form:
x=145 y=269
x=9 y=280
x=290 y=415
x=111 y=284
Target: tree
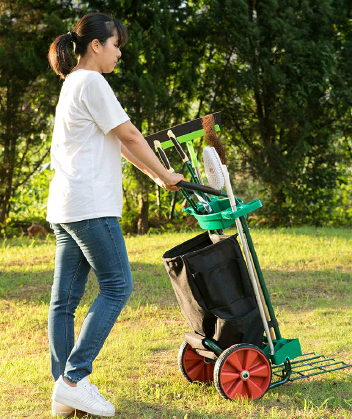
x=280 y=73
x=28 y=90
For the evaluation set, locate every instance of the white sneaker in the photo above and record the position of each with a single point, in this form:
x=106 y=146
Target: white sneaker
x=58 y=409
x=82 y=397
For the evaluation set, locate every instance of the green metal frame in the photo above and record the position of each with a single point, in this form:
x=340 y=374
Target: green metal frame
x=308 y=365
x=187 y=137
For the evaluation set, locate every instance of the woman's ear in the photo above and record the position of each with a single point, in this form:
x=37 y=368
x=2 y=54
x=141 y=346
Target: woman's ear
x=95 y=44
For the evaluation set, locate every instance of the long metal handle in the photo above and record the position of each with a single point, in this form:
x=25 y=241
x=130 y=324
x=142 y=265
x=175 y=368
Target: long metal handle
x=163 y=156
x=261 y=278
x=171 y=170
x=249 y=261
x=194 y=160
x=177 y=145
x=186 y=160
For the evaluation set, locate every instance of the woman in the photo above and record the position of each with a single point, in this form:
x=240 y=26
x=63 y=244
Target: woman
x=85 y=201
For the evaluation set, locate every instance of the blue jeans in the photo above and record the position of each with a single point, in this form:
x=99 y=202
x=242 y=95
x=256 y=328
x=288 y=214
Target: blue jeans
x=98 y=244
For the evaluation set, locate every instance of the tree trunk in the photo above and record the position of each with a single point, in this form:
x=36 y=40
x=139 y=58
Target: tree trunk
x=5 y=205
x=143 y=222
x=279 y=214
x=128 y=206
x=6 y=178
x=158 y=199
x=173 y=204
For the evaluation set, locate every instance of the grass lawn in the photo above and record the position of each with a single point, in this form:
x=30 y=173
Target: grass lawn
x=308 y=272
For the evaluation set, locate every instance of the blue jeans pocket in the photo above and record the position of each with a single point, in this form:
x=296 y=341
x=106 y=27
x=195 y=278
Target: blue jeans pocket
x=76 y=226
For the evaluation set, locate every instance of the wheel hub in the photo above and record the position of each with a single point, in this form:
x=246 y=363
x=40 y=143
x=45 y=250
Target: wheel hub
x=245 y=375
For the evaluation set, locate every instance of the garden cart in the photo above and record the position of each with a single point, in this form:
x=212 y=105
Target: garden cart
x=219 y=285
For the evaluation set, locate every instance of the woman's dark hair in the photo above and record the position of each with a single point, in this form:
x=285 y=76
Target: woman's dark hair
x=91 y=26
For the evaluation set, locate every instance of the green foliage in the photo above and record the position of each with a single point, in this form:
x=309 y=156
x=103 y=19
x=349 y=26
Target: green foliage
x=28 y=205
x=29 y=202
x=280 y=73
x=160 y=204
x=341 y=204
x=28 y=90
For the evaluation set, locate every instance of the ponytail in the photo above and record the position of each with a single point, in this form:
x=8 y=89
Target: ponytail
x=60 y=59
x=91 y=26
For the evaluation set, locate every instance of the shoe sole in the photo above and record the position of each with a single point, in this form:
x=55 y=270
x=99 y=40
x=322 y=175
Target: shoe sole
x=78 y=406
x=58 y=409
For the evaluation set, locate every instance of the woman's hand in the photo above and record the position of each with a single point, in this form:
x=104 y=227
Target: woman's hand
x=169 y=183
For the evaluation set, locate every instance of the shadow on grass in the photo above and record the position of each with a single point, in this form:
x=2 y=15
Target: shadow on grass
x=323 y=391
x=140 y=410
x=298 y=290
x=151 y=285
x=309 y=289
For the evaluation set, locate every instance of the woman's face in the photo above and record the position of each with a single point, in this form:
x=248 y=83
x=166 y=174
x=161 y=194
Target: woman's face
x=109 y=54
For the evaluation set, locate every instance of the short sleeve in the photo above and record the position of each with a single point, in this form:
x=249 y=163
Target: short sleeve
x=102 y=104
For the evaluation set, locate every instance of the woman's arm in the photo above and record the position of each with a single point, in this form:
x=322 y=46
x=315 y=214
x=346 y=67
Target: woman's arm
x=141 y=166
x=137 y=151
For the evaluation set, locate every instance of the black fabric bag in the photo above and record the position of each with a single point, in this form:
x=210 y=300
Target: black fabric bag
x=212 y=286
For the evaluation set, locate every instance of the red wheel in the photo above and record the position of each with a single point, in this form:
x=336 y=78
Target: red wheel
x=193 y=366
x=242 y=371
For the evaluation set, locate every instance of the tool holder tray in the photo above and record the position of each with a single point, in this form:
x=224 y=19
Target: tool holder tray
x=222 y=215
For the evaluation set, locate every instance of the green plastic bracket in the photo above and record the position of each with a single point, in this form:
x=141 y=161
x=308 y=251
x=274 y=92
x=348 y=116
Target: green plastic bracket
x=284 y=348
x=222 y=215
x=241 y=210
x=187 y=137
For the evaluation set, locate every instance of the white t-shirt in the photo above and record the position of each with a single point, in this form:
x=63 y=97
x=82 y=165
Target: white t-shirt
x=85 y=153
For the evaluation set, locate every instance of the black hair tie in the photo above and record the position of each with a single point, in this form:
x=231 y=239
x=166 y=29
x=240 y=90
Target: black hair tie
x=72 y=35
